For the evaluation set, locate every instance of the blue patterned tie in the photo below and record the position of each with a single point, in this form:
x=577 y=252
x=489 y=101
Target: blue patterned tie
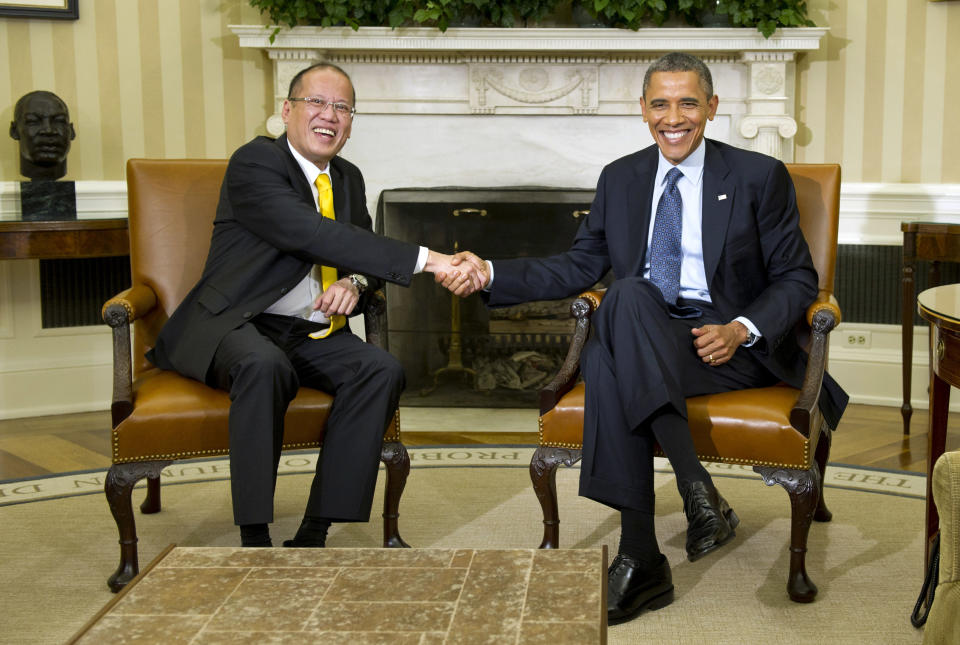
x=665 y=251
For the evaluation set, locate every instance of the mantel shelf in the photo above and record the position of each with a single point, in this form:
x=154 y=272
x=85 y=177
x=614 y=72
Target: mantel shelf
x=530 y=39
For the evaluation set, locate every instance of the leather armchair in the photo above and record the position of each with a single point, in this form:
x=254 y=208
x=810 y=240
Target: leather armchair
x=159 y=416
x=777 y=430
x=943 y=621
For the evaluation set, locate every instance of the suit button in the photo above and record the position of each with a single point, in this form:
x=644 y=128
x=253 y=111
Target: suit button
x=247 y=314
x=283 y=291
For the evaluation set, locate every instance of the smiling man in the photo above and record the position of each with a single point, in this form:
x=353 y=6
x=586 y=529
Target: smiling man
x=291 y=256
x=712 y=273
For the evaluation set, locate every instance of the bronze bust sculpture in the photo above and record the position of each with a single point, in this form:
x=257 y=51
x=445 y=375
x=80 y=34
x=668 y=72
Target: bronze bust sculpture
x=41 y=123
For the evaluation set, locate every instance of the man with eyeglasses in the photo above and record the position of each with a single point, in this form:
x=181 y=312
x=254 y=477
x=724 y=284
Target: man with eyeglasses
x=291 y=256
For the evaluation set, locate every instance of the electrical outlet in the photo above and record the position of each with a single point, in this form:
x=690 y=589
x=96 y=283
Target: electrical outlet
x=857 y=339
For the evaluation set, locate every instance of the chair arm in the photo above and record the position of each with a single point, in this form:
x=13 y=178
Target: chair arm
x=119 y=312
x=375 y=318
x=825 y=300
x=823 y=315
x=581 y=309
x=129 y=305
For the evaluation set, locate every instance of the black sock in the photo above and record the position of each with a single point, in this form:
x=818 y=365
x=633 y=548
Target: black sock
x=255 y=535
x=638 y=537
x=311 y=534
x=673 y=434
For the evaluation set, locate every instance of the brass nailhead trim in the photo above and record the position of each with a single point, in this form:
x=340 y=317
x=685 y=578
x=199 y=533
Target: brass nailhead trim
x=554 y=444
x=194 y=453
x=396 y=435
x=225 y=451
x=724 y=460
x=593 y=300
x=117 y=301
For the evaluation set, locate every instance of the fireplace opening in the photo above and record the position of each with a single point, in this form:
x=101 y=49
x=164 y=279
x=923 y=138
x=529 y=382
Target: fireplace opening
x=456 y=352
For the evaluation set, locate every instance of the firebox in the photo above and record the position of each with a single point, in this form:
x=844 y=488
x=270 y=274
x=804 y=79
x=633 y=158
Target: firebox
x=456 y=352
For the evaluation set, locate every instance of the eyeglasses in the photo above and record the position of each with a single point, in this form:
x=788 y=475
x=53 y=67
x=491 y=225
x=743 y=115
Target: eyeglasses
x=342 y=109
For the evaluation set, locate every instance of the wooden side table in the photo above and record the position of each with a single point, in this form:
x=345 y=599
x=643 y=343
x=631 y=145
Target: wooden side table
x=921 y=241
x=940 y=306
x=82 y=238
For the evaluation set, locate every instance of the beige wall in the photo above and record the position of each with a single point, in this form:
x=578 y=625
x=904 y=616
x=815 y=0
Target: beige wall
x=877 y=97
x=142 y=78
x=166 y=78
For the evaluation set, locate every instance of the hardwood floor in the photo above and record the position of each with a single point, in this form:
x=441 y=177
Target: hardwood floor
x=31 y=447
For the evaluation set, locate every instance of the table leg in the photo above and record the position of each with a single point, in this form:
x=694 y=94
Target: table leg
x=936 y=444
x=906 y=327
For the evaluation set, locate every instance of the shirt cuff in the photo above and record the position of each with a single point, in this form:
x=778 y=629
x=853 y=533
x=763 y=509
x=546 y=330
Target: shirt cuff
x=421 y=259
x=490 y=270
x=751 y=328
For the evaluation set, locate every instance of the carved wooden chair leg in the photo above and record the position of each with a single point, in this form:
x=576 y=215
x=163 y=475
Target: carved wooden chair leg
x=118 y=487
x=803 y=486
x=543 y=474
x=151 y=503
x=822 y=456
x=397 y=462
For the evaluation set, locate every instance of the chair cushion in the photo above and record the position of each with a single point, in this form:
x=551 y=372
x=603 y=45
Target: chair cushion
x=750 y=427
x=175 y=417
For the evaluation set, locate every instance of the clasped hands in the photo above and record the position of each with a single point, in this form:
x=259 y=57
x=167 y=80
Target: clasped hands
x=462 y=273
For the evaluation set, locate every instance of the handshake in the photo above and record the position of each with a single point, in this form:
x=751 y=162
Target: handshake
x=462 y=273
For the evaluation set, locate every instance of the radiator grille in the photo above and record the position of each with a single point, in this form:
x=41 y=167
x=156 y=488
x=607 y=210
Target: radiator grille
x=868 y=283
x=73 y=291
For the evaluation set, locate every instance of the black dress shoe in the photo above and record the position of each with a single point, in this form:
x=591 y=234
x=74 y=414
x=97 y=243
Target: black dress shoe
x=630 y=590
x=710 y=520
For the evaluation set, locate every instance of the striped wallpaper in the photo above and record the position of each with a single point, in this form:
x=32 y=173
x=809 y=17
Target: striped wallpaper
x=166 y=78
x=142 y=78
x=876 y=96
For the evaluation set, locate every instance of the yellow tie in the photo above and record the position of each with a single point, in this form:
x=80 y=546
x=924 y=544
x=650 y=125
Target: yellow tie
x=328 y=275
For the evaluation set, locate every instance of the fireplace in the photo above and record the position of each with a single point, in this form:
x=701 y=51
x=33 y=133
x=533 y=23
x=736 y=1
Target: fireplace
x=455 y=351
x=491 y=107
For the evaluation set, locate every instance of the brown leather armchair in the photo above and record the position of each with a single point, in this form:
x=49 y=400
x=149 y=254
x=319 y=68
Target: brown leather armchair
x=160 y=416
x=778 y=430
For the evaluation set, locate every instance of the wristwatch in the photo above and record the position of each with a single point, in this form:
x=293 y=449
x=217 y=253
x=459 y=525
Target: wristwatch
x=359 y=281
x=751 y=339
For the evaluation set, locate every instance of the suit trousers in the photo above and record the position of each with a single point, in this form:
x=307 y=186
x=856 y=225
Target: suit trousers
x=640 y=362
x=262 y=364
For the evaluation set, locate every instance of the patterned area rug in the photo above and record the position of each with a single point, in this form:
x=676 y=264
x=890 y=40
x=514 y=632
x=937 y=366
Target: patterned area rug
x=58 y=543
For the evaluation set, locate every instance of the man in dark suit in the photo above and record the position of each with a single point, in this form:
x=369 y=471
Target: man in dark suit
x=268 y=314
x=712 y=273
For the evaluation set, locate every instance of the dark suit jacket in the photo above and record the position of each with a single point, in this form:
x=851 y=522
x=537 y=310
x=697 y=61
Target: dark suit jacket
x=267 y=235
x=756 y=260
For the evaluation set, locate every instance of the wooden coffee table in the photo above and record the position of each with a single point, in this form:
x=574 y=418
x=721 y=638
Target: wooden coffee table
x=234 y=595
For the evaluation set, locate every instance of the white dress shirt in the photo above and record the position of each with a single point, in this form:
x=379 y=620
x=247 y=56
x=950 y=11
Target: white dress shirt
x=299 y=300
x=693 y=276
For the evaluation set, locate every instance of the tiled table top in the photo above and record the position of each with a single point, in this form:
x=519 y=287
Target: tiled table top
x=360 y=596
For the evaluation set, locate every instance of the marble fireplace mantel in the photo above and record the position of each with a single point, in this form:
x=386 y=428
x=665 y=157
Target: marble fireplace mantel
x=548 y=71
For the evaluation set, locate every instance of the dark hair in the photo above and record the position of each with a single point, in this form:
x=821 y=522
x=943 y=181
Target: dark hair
x=295 y=82
x=680 y=62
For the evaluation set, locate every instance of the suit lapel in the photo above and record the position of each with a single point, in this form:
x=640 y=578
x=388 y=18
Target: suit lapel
x=638 y=199
x=293 y=169
x=716 y=207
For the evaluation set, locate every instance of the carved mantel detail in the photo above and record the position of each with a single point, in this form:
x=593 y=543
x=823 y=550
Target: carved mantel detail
x=524 y=88
x=547 y=71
